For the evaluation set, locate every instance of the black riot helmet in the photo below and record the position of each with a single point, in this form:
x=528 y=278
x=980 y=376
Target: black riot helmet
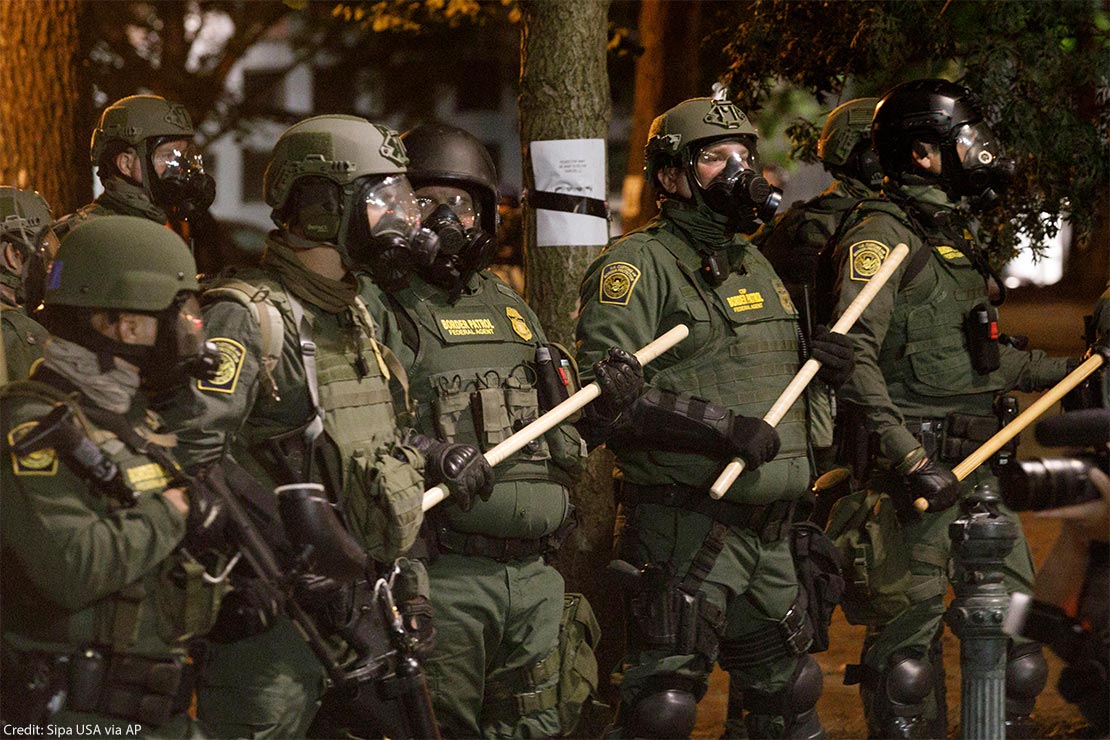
x=948 y=116
x=456 y=187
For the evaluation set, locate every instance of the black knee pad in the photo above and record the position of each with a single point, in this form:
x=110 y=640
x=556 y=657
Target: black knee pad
x=668 y=713
x=1026 y=675
x=795 y=702
x=908 y=680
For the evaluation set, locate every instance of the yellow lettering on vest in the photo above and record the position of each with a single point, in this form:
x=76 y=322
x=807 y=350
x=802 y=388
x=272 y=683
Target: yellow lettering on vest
x=745 y=301
x=468 y=327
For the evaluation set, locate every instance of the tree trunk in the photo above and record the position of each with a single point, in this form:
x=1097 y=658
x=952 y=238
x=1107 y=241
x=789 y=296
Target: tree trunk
x=667 y=73
x=45 y=108
x=564 y=94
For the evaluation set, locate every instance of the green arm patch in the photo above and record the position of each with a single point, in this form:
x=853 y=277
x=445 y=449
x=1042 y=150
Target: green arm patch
x=617 y=281
x=866 y=258
x=226 y=378
x=41 y=462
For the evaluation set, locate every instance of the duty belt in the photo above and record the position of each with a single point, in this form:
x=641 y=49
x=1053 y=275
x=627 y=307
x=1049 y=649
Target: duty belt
x=954 y=437
x=770 y=521
x=133 y=688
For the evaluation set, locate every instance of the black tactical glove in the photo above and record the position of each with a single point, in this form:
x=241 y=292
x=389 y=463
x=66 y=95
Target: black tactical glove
x=753 y=440
x=206 y=522
x=621 y=380
x=925 y=479
x=248 y=609
x=417 y=616
x=462 y=468
x=835 y=353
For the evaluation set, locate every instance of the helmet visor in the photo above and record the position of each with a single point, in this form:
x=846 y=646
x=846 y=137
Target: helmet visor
x=177 y=159
x=715 y=158
x=976 y=146
x=458 y=200
x=391 y=203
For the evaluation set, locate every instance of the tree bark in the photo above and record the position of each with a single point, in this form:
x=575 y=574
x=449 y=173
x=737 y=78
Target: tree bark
x=564 y=94
x=45 y=109
x=667 y=73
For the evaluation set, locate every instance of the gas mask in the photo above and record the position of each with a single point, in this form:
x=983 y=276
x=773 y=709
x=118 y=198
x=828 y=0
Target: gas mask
x=978 y=169
x=390 y=243
x=462 y=251
x=180 y=352
x=739 y=192
x=184 y=188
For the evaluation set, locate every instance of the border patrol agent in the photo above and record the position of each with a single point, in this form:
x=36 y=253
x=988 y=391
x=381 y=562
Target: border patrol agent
x=710 y=581
x=930 y=368
x=28 y=244
x=100 y=586
x=144 y=156
x=480 y=368
x=302 y=394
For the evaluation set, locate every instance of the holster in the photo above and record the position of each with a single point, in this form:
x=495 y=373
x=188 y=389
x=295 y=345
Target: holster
x=288 y=456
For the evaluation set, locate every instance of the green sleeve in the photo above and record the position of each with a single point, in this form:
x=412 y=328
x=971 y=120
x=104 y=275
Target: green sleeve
x=23 y=341
x=71 y=551
x=615 y=318
x=206 y=414
x=1031 y=371
x=866 y=387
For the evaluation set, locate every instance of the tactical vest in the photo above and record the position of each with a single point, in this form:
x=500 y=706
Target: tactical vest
x=924 y=356
x=747 y=334
x=474 y=381
x=344 y=367
x=152 y=616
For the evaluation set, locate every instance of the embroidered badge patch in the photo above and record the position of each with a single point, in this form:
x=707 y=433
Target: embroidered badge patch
x=745 y=301
x=231 y=364
x=867 y=256
x=949 y=253
x=617 y=281
x=517 y=321
x=147 y=477
x=40 y=462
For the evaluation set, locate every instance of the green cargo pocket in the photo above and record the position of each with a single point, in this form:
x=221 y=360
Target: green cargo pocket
x=450 y=413
x=579 y=634
x=383 y=502
x=523 y=407
x=491 y=418
x=187 y=602
x=876 y=562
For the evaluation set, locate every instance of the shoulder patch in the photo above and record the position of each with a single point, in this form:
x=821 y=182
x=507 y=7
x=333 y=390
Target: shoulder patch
x=949 y=253
x=519 y=325
x=866 y=258
x=231 y=364
x=42 y=462
x=617 y=281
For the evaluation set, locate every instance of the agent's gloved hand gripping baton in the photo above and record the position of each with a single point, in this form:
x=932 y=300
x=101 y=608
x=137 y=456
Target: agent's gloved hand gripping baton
x=794 y=390
x=968 y=465
x=506 y=448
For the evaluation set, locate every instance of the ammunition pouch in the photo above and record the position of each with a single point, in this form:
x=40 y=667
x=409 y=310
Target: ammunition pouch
x=953 y=438
x=128 y=687
x=579 y=634
x=770 y=521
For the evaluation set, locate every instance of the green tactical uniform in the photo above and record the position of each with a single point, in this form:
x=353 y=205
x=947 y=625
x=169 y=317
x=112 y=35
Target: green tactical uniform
x=805 y=229
x=914 y=370
x=99 y=597
x=23 y=341
x=118 y=199
x=741 y=353
x=269 y=685
x=497 y=610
